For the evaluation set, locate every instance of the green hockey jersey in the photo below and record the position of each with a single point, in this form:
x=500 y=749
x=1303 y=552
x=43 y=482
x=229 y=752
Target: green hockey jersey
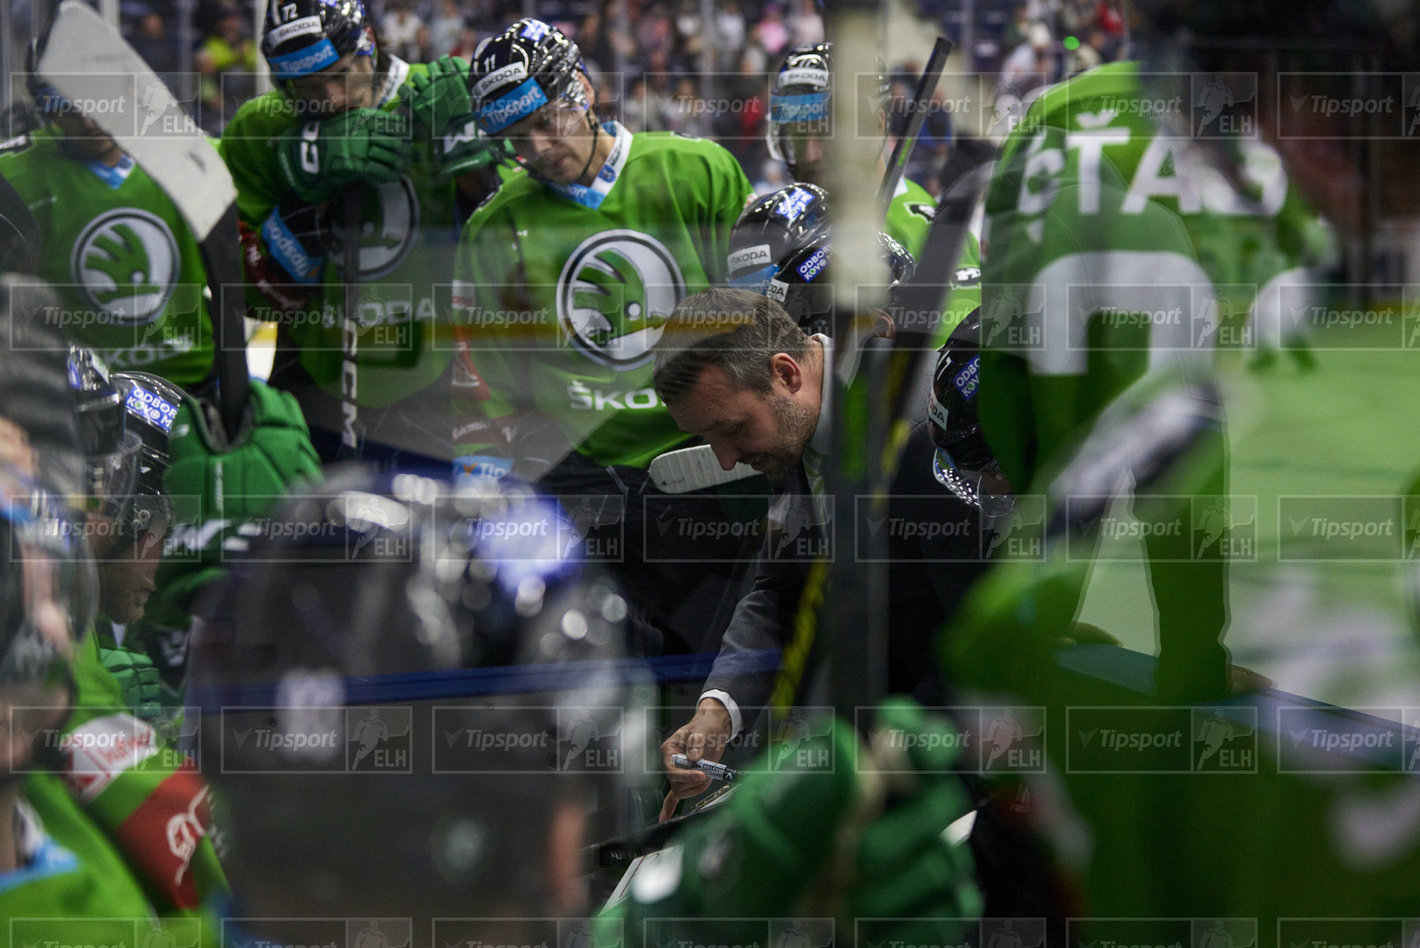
x=909 y=218
x=409 y=229
x=1114 y=249
x=73 y=888
x=561 y=293
x=123 y=262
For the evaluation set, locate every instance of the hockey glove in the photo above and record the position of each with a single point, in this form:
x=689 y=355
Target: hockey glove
x=323 y=156
x=438 y=94
x=216 y=488
x=463 y=147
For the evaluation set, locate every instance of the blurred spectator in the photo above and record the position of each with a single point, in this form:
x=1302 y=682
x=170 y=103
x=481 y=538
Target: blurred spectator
x=445 y=29
x=226 y=63
x=1030 y=64
x=646 y=109
x=773 y=34
x=729 y=25
x=152 y=42
x=689 y=30
x=402 y=32
x=805 y=25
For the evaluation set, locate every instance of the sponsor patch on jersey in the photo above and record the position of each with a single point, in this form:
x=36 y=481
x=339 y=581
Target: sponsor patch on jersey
x=305 y=26
x=97 y=751
x=614 y=295
x=756 y=256
x=389 y=226
x=161 y=836
x=479 y=468
x=126 y=262
x=513 y=72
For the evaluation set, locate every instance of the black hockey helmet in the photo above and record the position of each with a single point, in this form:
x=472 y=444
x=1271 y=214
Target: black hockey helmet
x=803 y=282
x=523 y=68
x=800 y=101
x=150 y=405
x=300 y=37
x=770 y=228
x=963 y=462
x=111 y=453
x=365 y=601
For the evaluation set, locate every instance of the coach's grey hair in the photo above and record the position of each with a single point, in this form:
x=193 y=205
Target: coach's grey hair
x=737 y=330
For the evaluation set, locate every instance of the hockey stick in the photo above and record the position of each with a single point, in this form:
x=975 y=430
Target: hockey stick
x=85 y=59
x=693 y=468
x=926 y=88
x=349 y=203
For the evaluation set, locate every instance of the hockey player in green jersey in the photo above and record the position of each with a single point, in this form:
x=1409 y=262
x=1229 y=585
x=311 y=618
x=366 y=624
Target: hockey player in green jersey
x=800 y=108
x=352 y=128
x=1120 y=253
x=122 y=260
x=564 y=279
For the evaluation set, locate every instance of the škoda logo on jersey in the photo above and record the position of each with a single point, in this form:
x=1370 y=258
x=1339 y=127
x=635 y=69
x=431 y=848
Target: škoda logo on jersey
x=126 y=263
x=389 y=219
x=615 y=294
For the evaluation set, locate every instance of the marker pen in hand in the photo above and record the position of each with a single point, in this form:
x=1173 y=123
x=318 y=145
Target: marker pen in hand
x=711 y=769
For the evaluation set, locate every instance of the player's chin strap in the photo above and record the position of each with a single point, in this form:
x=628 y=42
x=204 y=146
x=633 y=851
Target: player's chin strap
x=596 y=130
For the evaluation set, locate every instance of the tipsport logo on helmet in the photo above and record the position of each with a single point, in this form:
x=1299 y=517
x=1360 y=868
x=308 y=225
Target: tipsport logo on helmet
x=304 y=61
x=523 y=101
x=615 y=294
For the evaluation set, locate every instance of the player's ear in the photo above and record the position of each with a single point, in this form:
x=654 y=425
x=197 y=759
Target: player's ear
x=786 y=370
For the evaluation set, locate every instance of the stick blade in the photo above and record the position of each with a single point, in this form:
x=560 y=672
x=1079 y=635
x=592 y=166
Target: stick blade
x=91 y=64
x=694 y=468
